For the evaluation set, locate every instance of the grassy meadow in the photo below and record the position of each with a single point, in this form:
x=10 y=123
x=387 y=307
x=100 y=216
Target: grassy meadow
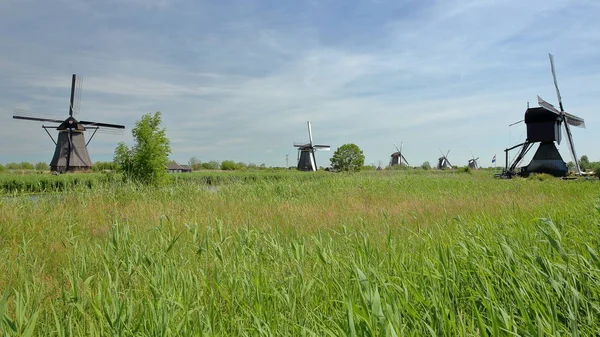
x=393 y=253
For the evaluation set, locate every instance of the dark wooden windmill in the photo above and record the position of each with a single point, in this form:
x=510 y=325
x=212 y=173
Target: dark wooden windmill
x=397 y=158
x=544 y=127
x=473 y=162
x=443 y=162
x=71 y=152
x=306 y=153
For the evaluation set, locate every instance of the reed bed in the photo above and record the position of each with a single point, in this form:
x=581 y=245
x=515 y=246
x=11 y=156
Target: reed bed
x=392 y=254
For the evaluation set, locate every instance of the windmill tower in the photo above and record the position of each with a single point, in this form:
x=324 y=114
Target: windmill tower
x=306 y=153
x=473 y=162
x=397 y=158
x=70 y=153
x=443 y=162
x=544 y=127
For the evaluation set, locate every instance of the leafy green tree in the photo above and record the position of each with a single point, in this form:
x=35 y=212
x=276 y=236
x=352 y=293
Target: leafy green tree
x=348 y=157
x=228 y=165
x=147 y=160
x=13 y=166
x=2 y=168
x=41 y=166
x=584 y=163
x=426 y=166
x=211 y=165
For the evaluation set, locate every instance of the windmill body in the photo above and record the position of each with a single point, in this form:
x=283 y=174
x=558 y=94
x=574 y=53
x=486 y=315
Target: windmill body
x=473 y=163
x=306 y=153
x=397 y=158
x=544 y=125
x=443 y=162
x=70 y=153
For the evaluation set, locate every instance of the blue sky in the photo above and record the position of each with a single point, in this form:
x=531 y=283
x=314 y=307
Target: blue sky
x=239 y=79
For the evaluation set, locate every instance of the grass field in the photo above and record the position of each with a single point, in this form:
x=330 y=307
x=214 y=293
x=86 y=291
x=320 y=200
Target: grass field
x=397 y=253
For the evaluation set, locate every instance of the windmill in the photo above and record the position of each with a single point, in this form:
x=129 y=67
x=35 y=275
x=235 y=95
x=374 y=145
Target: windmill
x=397 y=158
x=71 y=152
x=473 y=162
x=443 y=162
x=306 y=153
x=544 y=127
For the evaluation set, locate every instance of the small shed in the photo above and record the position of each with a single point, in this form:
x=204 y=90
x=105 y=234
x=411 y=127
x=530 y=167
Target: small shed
x=173 y=167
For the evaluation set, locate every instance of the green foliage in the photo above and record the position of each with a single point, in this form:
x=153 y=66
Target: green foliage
x=20 y=166
x=408 y=253
x=466 y=169
x=105 y=166
x=541 y=177
x=211 y=165
x=229 y=165
x=426 y=165
x=584 y=163
x=41 y=166
x=348 y=157
x=147 y=160
x=2 y=168
x=195 y=164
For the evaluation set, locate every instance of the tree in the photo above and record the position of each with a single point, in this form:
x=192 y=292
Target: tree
x=426 y=166
x=41 y=166
x=146 y=162
x=348 y=157
x=229 y=165
x=195 y=164
x=584 y=163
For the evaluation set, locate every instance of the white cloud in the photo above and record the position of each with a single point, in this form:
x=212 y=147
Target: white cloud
x=240 y=83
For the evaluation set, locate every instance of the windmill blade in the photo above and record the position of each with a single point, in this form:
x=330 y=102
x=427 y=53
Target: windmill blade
x=555 y=82
x=313 y=163
x=403 y=158
x=574 y=120
x=322 y=147
x=442 y=153
x=547 y=105
x=72 y=99
x=476 y=159
x=111 y=131
x=78 y=94
x=515 y=123
x=446 y=156
x=572 y=148
x=397 y=149
x=104 y=125
x=30 y=116
x=310 y=133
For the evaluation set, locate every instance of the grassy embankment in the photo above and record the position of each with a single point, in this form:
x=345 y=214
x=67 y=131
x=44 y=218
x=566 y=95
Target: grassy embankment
x=377 y=253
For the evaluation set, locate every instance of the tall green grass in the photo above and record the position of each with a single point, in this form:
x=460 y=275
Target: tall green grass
x=394 y=254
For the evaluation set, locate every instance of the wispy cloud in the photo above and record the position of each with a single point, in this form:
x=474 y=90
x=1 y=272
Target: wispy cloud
x=239 y=80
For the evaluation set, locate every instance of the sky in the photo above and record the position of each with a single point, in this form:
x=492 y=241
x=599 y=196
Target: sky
x=238 y=80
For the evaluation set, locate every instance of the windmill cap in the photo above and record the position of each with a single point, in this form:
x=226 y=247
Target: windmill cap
x=540 y=115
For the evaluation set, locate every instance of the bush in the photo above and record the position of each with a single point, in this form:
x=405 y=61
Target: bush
x=426 y=166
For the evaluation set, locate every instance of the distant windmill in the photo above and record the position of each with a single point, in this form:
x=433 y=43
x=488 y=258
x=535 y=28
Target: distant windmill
x=306 y=153
x=443 y=162
x=544 y=127
x=71 y=152
x=473 y=162
x=397 y=158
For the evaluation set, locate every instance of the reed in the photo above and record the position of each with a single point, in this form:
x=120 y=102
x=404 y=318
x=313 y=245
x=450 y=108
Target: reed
x=394 y=254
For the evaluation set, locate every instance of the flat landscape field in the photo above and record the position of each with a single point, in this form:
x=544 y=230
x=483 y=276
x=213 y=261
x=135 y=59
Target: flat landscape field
x=277 y=253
